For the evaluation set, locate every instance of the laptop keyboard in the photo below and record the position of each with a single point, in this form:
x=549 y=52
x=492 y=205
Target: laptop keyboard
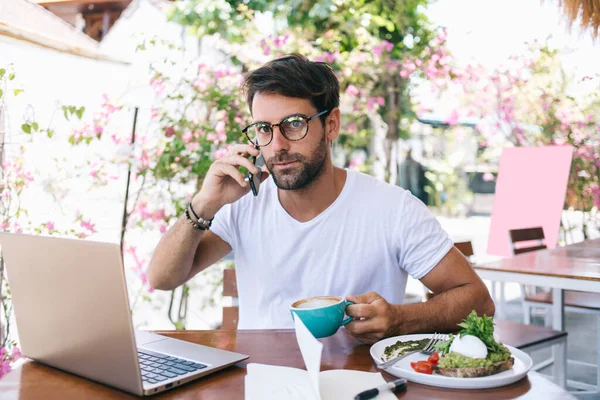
x=157 y=367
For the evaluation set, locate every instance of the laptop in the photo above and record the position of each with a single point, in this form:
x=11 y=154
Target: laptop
x=72 y=312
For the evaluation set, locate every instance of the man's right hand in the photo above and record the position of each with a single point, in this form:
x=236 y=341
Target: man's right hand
x=224 y=183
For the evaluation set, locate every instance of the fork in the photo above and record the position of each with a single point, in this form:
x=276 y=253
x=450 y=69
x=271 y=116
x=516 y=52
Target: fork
x=428 y=350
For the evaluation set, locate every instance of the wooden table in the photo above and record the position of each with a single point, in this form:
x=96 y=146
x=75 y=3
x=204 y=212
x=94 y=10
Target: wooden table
x=574 y=267
x=275 y=347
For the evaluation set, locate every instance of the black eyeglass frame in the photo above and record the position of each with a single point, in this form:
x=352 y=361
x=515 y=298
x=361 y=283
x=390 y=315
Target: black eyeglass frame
x=306 y=119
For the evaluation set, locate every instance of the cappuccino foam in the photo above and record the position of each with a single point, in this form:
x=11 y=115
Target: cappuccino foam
x=317 y=303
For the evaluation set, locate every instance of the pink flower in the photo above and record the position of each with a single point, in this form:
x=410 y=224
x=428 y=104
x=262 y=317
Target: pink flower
x=488 y=177
x=389 y=46
x=159 y=215
x=50 y=225
x=88 y=225
x=16 y=353
x=452 y=119
x=374 y=102
x=220 y=153
x=5 y=368
x=4 y=225
x=163 y=228
x=356 y=162
x=187 y=137
x=202 y=83
x=267 y=51
x=220 y=127
x=220 y=73
x=377 y=51
x=169 y=131
x=330 y=57
x=422 y=110
x=352 y=90
x=158 y=84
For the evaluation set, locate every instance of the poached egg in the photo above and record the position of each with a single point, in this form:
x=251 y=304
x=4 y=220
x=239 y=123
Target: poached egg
x=469 y=346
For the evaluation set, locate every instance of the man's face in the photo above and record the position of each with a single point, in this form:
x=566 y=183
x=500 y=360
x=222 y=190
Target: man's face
x=293 y=164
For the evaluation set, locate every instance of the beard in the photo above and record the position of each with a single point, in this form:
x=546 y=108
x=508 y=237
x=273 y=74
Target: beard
x=304 y=173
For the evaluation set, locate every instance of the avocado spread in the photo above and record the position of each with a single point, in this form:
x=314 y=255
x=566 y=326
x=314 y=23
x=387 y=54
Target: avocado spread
x=457 y=360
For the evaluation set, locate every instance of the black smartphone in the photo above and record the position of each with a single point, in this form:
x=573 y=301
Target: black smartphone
x=254 y=180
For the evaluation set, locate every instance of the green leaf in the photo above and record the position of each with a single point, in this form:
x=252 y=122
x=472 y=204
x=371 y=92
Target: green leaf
x=35 y=126
x=2 y=72
x=50 y=133
x=16 y=92
x=79 y=112
x=11 y=76
x=26 y=128
x=1 y=93
x=65 y=112
x=179 y=325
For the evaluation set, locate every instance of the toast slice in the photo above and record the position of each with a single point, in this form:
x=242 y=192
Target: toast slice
x=476 y=372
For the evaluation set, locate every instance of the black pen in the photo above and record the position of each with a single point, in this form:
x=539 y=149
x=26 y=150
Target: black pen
x=393 y=386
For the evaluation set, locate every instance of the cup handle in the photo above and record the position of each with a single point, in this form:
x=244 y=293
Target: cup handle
x=349 y=319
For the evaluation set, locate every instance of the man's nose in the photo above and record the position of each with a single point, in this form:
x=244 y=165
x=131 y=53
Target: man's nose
x=279 y=141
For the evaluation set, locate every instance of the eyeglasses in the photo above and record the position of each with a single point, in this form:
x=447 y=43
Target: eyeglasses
x=294 y=127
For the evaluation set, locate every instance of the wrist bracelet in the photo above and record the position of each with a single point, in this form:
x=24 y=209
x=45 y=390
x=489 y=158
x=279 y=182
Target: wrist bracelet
x=194 y=212
x=201 y=225
x=201 y=221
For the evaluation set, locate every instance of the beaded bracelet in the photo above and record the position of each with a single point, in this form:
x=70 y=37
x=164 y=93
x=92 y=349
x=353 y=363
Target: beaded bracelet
x=202 y=226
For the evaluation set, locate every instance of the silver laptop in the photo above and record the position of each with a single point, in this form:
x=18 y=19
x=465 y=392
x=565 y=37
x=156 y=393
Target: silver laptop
x=72 y=312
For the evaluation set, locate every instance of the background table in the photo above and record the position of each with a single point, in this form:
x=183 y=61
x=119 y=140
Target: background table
x=573 y=267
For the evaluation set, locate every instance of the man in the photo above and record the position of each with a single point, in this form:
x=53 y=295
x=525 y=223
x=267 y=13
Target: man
x=314 y=229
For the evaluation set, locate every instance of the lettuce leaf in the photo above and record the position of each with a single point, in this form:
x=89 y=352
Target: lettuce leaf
x=483 y=328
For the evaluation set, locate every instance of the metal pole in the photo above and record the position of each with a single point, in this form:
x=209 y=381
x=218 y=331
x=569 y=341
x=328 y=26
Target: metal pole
x=124 y=221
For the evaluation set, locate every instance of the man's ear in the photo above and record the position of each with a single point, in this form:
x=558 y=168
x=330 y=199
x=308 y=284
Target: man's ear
x=332 y=124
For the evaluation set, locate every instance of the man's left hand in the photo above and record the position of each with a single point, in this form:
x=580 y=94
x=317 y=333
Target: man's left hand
x=374 y=317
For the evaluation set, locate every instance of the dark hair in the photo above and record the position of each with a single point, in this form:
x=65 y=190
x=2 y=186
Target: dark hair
x=295 y=76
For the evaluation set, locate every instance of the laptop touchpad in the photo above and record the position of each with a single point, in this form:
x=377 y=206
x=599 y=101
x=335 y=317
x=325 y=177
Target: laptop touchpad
x=143 y=337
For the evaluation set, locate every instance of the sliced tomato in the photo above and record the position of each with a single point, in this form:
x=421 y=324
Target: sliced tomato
x=423 y=367
x=434 y=358
x=413 y=364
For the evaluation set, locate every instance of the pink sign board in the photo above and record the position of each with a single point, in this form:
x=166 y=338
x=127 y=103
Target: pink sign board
x=530 y=192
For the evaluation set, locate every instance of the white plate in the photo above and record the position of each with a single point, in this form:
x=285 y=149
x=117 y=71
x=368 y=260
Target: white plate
x=402 y=368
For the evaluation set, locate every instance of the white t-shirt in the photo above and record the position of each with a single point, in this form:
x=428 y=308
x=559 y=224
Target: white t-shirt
x=371 y=237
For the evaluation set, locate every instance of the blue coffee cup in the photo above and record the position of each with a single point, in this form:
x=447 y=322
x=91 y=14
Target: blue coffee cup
x=322 y=315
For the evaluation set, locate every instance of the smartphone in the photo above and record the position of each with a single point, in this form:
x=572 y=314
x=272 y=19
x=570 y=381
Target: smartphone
x=254 y=180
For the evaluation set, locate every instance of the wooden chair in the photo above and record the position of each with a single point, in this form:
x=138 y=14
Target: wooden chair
x=529 y=293
x=466 y=248
x=230 y=314
x=574 y=301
